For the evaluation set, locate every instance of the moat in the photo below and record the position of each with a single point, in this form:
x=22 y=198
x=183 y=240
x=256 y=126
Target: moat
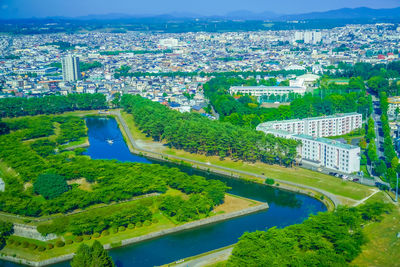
x=285 y=208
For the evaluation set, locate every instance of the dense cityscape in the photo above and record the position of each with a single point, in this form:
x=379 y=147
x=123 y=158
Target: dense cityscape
x=150 y=139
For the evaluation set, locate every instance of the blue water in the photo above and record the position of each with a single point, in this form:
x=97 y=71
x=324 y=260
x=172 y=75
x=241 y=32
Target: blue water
x=286 y=208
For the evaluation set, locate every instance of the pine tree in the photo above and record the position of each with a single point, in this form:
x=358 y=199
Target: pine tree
x=100 y=257
x=83 y=256
x=94 y=256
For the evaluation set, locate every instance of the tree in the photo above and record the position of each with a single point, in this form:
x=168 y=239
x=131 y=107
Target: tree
x=116 y=100
x=381 y=168
x=4 y=128
x=100 y=257
x=94 y=256
x=6 y=229
x=50 y=185
x=83 y=256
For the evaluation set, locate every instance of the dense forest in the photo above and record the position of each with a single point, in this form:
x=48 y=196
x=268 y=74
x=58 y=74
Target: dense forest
x=326 y=239
x=19 y=106
x=244 y=110
x=32 y=150
x=197 y=134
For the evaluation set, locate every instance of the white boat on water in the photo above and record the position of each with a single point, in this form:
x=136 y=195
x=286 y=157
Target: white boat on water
x=110 y=141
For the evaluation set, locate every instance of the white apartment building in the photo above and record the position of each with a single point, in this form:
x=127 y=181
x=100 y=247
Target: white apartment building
x=267 y=90
x=70 y=68
x=309 y=37
x=394 y=103
x=169 y=42
x=324 y=152
x=334 y=125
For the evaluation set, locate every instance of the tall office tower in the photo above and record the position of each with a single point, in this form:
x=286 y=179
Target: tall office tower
x=70 y=68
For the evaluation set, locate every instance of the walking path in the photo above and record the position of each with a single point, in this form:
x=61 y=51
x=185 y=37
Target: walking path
x=366 y=198
x=332 y=197
x=208 y=259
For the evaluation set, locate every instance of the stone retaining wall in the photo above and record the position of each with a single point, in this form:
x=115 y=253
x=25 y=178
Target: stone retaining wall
x=31 y=232
x=186 y=226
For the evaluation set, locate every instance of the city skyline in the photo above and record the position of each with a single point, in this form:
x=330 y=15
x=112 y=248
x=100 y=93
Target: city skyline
x=10 y=9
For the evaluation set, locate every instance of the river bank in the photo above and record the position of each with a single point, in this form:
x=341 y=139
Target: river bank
x=287 y=208
x=129 y=241
x=329 y=200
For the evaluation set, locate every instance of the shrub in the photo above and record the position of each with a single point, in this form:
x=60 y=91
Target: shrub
x=114 y=230
x=87 y=237
x=25 y=244
x=60 y=244
x=17 y=243
x=139 y=224
x=96 y=235
x=105 y=233
x=69 y=242
x=10 y=241
x=269 y=181
x=155 y=220
x=131 y=226
x=32 y=246
x=147 y=223
x=50 y=185
x=50 y=246
x=121 y=228
x=78 y=239
x=41 y=248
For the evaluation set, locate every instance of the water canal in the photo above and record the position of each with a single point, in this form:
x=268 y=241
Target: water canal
x=286 y=208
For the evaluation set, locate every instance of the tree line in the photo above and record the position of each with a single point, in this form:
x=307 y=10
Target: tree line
x=37 y=162
x=244 y=110
x=326 y=239
x=22 y=106
x=197 y=134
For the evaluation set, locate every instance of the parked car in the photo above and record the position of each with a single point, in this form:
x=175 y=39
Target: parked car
x=356 y=180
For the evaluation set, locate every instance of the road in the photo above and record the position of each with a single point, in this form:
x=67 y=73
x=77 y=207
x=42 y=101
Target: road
x=332 y=197
x=376 y=116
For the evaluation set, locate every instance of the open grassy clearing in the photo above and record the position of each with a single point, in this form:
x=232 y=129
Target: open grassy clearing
x=234 y=203
x=83 y=184
x=383 y=247
x=331 y=184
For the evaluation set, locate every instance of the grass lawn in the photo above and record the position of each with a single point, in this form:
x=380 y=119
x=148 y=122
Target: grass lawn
x=234 y=203
x=383 y=247
x=348 y=190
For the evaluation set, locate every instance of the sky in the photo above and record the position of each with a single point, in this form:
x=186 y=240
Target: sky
x=74 y=8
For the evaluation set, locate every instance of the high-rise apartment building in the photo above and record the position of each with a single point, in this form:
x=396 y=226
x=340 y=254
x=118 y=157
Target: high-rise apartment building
x=323 y=152
x=308 y=37
x=324 y=126
x=315 y=149
x=70 y=68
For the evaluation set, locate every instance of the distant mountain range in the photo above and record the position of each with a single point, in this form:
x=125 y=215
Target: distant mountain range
x=344 y=13
x=348 y=13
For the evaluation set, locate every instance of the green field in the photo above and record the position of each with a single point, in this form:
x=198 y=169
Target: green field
x=383 y=247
